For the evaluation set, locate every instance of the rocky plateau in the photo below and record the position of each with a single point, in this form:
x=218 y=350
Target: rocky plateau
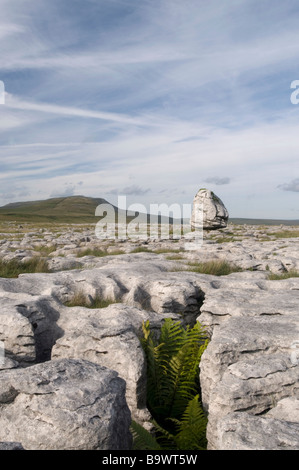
x=73 y=377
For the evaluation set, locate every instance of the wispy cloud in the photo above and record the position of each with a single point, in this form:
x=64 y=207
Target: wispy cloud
x=219 y=181
x=15 y=103
x=134 y=190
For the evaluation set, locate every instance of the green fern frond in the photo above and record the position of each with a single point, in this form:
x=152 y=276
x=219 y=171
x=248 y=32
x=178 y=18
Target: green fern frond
x=173 y=381
x=191 y=430
x=142 y=438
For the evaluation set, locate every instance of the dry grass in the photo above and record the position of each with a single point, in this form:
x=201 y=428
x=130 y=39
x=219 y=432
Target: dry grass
x=98 y=252
x=214 y=267
x=279 y=277
x=12 y=268
x=80 y=299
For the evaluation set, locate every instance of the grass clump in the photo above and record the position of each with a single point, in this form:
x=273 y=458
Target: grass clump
x=12 y=268
x=142 y=249
x=80 y=299
x=214 y=267
x=45 y=250
x=98 y=252
x=167 y=250
x=286 y=234
x=287 y=275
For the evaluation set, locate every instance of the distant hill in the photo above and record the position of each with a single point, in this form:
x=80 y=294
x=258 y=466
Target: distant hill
x=71 y=209
x=241 y=221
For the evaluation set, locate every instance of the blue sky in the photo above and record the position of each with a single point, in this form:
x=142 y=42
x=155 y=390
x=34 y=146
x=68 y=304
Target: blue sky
x=151 y=98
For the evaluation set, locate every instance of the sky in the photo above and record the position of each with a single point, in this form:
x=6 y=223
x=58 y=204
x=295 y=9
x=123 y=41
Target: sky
x=153 y=99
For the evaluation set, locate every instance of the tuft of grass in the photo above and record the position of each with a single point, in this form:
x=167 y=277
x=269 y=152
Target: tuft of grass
x=80 y=299
x=45 y=250
x=141 y=249
x=227 y=239
x=12 y=268
x=167 y=250
x=286 y=234
x=174 y=257
x=216 y=268
x=279 y=277
x=98 y=252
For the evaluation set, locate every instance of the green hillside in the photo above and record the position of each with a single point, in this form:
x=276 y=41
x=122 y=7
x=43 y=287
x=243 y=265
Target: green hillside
x=72 y=209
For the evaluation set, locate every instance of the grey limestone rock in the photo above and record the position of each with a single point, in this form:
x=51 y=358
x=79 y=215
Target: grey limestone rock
x=63 y=405
x=214 y=212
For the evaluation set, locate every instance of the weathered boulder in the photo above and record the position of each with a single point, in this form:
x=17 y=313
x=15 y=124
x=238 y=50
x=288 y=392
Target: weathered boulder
x=244 y=431
x=208 y=211
x=110 y=337
x=250 y=364
x=64 y=405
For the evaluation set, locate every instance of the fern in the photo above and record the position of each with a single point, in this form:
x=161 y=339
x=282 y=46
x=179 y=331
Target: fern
x=173 y=363
x=143 y=439
x=190 y=432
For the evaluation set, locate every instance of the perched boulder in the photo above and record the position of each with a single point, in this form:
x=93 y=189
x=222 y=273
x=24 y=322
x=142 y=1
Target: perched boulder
x=64 y=405
x=208 y=211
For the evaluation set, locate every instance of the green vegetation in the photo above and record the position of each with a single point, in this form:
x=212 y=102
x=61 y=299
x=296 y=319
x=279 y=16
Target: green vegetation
x=287 y=275
x=167 y=250
x=174 y=257
x=173 y=388
x=98 y=252
x=45 y=250
x=226 y=239
x=142 y=249
x=80 y=299
x=158 y=251
x=72 y=209
x=214 y=267
x=286 y=234
x=13 y=268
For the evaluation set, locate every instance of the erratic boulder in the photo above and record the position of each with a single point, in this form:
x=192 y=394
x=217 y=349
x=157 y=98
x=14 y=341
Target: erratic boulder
x=208 y=211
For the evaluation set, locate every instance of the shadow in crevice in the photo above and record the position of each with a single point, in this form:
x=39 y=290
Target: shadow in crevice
x=43 y=318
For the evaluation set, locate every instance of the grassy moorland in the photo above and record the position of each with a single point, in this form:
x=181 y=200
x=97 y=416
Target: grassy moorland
x=72 y=209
